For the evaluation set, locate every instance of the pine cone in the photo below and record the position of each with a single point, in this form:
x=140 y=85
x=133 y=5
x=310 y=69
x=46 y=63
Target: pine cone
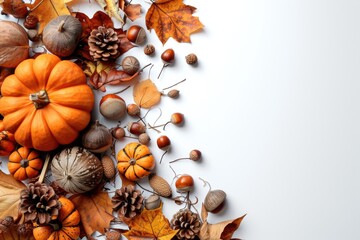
x=188 y=224
x=104 y=44
x=39 y=203
x=127 y=201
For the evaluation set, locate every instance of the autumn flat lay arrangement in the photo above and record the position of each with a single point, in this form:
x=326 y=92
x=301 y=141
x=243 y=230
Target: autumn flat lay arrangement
x=80 y=124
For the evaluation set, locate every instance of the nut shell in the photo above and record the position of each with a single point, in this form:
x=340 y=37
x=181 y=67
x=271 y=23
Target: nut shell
x=112 y=107
x=185 y=183
x=130 y=65
x=214 y=200
x=136 y=34
x=152 y=202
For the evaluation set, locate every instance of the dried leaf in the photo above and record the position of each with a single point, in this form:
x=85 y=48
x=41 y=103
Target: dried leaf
x=10 y=189
x=112 y=9
x=146 y=94
x=16 y=8
x=132 y=11
x=222 y=230
x=95 y=210
x=46 y=10
x=172 y=18
x=150 y=224
x=99 y=19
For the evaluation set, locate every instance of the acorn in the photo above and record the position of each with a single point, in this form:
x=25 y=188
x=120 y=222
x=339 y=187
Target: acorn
x=152 y=202
x=214 y=201
x=185 y=183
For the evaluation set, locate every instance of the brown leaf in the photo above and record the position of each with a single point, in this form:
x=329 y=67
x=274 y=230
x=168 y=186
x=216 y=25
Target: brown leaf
x=46 y=10
x=12 y=233
x=132 y=11
x=10 y=189
x=16 y=8
x=146 y=94
x=95 y=210
x=222 y=230
x=172 y=18
x=150 y=224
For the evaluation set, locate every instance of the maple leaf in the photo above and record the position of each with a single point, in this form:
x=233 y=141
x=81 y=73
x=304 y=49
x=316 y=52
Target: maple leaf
x=95 y=210
x=222 y=230
x=46 y=10
x=146 y=94
x=150 y=224
x=10 y=189
x=172 y=18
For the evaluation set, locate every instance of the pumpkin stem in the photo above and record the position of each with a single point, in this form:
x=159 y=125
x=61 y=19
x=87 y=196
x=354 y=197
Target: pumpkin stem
x=40 y=99
x=24 y=163
x=61 y=26
x=132 y=161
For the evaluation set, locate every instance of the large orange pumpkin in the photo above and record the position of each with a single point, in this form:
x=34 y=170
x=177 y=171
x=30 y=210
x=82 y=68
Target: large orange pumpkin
x=65 y=227
x=135 y=161
x=46 y=102
x=25 y=163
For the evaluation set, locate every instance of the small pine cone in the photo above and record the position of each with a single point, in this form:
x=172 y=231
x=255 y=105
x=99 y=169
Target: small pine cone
x=128 y=202
x=188 y=224
x=6 y=223
x=39 y=203
x=160 y=185
x=103 y=44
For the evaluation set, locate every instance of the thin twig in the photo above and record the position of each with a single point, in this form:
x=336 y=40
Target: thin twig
x=174 y=84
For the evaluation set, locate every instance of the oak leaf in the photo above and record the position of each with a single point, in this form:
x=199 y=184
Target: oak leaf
x=95 y=210
x=10 y=189
x=146 y=94
x=222 y=230
x=150 y=224
x=46 y=10
x=172 y=18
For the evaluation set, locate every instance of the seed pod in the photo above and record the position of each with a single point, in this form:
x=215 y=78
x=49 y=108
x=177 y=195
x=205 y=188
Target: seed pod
x=160 y=185
x=214 y=201
x=109 y=167
x=191 y=59
x=152 y=202
x=144 y=138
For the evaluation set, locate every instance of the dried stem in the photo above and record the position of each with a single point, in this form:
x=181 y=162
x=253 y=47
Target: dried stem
x=206 y=183
x=184 y=158
x=164 y=65
x=122 y=90
x=174 y=84
x=44 y=169
x=162 y=156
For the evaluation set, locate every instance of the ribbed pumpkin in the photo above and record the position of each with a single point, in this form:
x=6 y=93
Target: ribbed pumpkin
x=135 y=161
x=46 y=102
x=65 y=227
x=7 y=141
x=25 y=163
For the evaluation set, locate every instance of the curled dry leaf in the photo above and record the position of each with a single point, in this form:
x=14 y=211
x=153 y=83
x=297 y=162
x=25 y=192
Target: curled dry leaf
x=172 y=18
x=132 y=11
x=150 y=224
x=16 y=8
x=10 y=189
x=112 y=9
x=95 y=210
x=222 y=230
x=46 y=10
x=146 y=94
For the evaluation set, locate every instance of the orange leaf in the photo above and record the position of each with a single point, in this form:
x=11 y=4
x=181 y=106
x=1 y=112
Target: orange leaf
x=172 y=18
x=10 y=189
x=222 y=230
x=146 y=94
x=132 y=11
x=150 y=224
x=46 y=10
x=95 y=210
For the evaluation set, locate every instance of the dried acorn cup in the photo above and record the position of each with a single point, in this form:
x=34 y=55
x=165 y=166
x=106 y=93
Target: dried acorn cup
x=61 y=35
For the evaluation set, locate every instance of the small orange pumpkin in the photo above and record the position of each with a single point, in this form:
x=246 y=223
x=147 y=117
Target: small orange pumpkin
x=46 y=102
x=135 y=161
x=7 y=141
x=65 y=227
x=25 y=163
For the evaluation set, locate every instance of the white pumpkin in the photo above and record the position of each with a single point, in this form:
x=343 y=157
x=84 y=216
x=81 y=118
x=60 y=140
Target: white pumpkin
x=76 y=170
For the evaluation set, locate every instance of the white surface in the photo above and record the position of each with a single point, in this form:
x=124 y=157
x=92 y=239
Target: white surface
x=273 y=106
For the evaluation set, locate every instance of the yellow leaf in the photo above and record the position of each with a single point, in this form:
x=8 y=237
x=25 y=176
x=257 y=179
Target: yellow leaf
x=46 y=10
x=146 y=94
x=111 y=7
x=150 y=224
x=10 y=189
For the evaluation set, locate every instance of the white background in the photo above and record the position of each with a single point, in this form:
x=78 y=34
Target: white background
x=273 y=106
